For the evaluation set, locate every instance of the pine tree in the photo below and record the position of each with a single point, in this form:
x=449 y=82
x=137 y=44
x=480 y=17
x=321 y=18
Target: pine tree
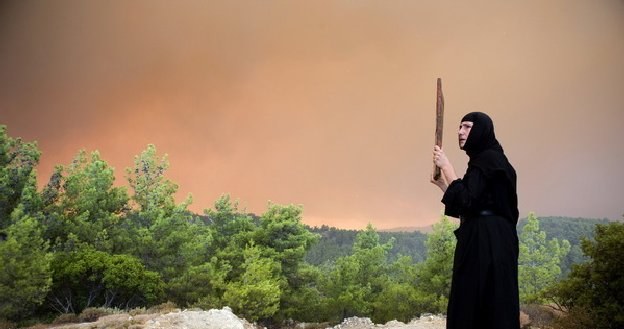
x=538 y=262
x=257 y=294
x=355 y=282
x=25 y=275
x=80 y=200
x=17 y=162
x=436 y=271
x=163 y=231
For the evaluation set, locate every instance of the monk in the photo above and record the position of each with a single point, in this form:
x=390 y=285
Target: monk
x=484 y=288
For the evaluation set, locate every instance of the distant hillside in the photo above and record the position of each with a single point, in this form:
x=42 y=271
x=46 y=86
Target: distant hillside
x=572 y=229
x=422 y=229
x=335 y=243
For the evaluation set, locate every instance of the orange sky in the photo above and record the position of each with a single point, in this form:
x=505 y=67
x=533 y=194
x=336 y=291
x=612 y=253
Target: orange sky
x=327 y=104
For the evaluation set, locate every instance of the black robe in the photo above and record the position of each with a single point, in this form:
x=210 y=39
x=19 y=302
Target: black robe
x=484 y=288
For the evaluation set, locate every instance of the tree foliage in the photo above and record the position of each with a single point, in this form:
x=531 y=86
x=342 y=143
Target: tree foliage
x=355 y=281
x=282 y=231
x=538 y=261
x=201 y=285
x=284 y=238
x=153 y=192
x=88 y=277
x=257 y=295
x=83 y=207
x=568 y=228
x=436 y=271
x=334 y=243
x=593 y=294
x=401 y=299
x=164 y=231
x=18 y=160
x=25 y=276
x=232 y=232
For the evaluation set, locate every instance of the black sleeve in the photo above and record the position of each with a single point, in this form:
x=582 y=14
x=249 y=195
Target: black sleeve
x=463 y=196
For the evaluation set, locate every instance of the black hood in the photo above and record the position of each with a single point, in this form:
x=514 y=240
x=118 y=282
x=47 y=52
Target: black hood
x=481 y=136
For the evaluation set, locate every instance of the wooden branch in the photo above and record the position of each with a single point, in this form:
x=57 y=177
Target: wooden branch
x=439 y=124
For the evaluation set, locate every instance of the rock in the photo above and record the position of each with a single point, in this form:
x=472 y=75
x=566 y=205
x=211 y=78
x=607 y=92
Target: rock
x=355 y=322
x=428 y=317
x=213 y=319
x=394 y=324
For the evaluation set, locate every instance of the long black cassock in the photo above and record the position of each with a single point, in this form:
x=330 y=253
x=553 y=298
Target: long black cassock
x=484 y=288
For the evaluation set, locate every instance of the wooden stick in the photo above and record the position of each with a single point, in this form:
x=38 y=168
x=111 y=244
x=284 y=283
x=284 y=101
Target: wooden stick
x=439 y=124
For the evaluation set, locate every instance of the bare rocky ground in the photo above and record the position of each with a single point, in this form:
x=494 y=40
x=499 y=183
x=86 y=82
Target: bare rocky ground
x=225 y=319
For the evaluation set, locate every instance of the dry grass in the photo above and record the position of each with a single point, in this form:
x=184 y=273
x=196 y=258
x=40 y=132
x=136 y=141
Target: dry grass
x=113 y=321
x=7 y=325
x=103 y=318
x=540 y=316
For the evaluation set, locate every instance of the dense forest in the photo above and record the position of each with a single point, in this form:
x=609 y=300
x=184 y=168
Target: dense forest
x=84 y=241
x=335 y=243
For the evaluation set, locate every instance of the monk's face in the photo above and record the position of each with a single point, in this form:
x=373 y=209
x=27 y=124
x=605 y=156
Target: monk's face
x=464 y=131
